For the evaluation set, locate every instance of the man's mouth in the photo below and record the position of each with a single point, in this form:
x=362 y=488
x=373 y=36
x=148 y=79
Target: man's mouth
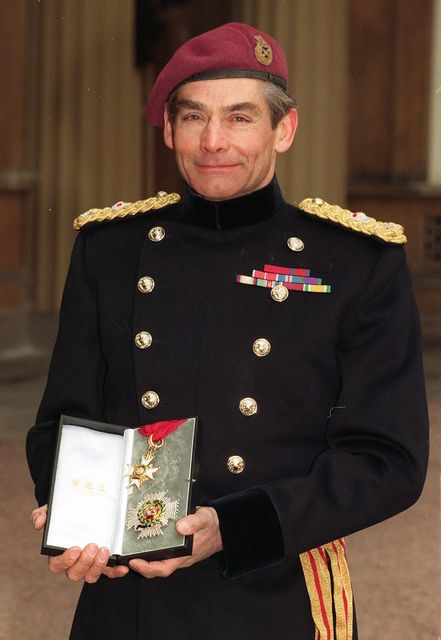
x=209 y=166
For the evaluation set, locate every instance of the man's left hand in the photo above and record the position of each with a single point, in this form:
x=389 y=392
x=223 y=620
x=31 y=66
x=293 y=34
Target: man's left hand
x=204 y=525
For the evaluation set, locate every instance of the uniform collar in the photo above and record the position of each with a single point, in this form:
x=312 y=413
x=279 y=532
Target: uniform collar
x=237 y=212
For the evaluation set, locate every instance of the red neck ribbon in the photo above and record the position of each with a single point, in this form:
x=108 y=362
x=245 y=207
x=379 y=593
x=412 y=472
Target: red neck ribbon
x=160 y=430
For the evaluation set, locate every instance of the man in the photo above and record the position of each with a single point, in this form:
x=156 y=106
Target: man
x=293 y=335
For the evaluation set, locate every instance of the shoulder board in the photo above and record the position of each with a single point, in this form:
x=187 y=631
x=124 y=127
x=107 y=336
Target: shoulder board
x=360 y=222
x=126 y=209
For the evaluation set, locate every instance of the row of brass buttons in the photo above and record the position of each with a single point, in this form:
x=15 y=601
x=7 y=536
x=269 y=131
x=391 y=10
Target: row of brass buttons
x=143 y=340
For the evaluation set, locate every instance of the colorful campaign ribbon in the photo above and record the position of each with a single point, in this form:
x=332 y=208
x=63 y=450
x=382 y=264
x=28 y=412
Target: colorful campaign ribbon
x=281 y=277
x=288 y=271
x=291 y=278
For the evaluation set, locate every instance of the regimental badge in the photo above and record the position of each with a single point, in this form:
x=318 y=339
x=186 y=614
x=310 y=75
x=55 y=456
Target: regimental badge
x=263 y=51
x=151 y=514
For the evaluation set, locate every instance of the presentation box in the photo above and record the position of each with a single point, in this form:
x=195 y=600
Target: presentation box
x=121 y=489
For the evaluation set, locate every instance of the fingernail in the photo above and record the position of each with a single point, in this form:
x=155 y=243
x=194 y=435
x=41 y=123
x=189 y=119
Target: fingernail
x=183 y=526
x=103 y=554
x=91 y=550
x=73 y=554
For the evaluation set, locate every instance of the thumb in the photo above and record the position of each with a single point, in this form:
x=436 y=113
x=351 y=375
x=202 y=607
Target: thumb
x=38 y=517
x=196 y=521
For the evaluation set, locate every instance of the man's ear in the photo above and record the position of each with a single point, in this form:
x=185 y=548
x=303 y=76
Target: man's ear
x=168 y=131
x=286 y=130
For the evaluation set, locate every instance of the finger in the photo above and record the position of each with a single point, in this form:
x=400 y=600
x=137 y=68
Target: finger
x=116 y=572
x=60 y=563
x=38 y=517
x=156 y=569
x=96 y=569
x=79 y=569
x=195 y=522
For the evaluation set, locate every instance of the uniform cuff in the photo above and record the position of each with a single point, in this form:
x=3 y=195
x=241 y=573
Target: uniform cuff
x=251 y=533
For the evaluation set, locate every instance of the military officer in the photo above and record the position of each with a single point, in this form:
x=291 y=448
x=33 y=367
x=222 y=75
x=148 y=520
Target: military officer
x=290 y=331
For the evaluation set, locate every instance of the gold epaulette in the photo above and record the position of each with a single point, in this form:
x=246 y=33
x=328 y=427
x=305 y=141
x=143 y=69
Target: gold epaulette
x=124 y=209
x=387 y=231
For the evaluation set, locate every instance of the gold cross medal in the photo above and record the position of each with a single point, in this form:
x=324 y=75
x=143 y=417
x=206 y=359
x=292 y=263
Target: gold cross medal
x=151 y=514
x=145 y=469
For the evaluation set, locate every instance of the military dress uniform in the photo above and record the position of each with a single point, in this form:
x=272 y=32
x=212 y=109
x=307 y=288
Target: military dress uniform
x=311 y=401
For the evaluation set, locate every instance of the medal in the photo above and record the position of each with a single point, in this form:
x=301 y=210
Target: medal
x=145 y=469
x=156 y=434
x=151 y=514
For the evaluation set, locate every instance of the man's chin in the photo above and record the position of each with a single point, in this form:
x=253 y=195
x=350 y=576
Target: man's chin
x=216 y=192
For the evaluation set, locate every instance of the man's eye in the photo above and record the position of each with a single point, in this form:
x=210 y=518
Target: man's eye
x=191 y=116
x=240 y=119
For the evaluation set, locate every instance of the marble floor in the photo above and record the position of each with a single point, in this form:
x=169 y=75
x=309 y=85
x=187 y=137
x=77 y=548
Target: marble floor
x=395 y=566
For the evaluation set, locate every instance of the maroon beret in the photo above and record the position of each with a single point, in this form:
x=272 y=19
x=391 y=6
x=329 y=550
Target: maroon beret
x=233 y=50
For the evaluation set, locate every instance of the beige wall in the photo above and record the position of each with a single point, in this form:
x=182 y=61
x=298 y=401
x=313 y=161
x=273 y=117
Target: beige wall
x=435 y=101
x=314 y=36
x=91 y=131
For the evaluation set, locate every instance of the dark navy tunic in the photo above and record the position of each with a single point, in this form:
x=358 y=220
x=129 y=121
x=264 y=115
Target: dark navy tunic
x=339 y=438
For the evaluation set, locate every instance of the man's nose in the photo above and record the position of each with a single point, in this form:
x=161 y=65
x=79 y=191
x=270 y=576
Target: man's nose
x=214 y=137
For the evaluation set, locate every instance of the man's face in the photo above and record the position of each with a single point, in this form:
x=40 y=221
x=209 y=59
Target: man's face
x=224 y=144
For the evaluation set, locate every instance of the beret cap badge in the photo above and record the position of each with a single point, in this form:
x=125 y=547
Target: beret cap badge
x=263 y=51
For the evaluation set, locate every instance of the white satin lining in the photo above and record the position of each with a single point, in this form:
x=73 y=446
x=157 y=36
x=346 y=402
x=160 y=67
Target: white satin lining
x=90 y=499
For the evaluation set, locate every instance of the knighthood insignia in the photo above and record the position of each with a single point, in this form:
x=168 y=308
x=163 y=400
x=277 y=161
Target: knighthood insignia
x=126 y=209
x=356 y=221
x=151 y=514
x=280 y=280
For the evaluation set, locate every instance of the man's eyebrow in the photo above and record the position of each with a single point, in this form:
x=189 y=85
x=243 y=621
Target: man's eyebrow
x=251 y=107
x=184 y=103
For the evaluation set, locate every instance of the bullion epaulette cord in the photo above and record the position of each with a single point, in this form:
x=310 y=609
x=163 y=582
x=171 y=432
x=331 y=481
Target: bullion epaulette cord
x=126 y=209
x=356 y=221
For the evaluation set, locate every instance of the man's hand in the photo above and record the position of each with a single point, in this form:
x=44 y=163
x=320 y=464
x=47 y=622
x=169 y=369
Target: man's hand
x=204 y=524
x=79 y=564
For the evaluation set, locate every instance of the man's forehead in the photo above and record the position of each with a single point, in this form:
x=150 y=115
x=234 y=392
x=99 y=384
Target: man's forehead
x=225 y=92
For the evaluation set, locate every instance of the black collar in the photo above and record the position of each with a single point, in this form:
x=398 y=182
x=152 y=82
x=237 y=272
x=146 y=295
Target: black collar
x=237 y=212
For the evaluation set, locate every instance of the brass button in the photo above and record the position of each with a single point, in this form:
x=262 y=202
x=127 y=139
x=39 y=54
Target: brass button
x=143 y=340
x=248 y=406
x=261 y=347
x=150 y=399
x=279 y=293
x=318 y=201
x=295 y=244
x=146 y=284
x=156 y=234
x=235 y=464
x=161 y=194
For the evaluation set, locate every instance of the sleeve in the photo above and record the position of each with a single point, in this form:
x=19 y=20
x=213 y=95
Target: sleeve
x=76 y=373
x=377 y=435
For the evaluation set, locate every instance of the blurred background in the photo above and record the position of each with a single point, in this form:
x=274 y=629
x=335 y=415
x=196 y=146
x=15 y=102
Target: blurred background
x=75 y=76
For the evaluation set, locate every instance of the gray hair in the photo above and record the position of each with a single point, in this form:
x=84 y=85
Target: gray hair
x=279 y=102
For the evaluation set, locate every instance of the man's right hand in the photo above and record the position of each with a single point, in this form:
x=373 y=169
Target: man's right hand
x=79 y=564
